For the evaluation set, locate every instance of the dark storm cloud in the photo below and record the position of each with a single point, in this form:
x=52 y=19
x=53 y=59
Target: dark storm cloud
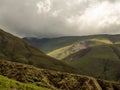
x=60 y=17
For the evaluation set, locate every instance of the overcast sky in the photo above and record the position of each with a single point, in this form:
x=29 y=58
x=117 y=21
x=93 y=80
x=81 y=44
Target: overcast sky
x=49 y=18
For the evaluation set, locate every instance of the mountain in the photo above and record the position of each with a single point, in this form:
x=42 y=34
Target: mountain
x=15 y=49
x=42 y=79
x=101 y=61
x=47 y=45
x=97 y=57
x=50 y=44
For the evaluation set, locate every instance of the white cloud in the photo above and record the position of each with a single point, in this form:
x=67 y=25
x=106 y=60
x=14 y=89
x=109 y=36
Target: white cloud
x=56 y=13
x=44 y=6
x=101 y=15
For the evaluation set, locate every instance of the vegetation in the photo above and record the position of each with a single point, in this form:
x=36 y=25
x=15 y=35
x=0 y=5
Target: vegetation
x=77 y=46
x=100 y=61
x=9 y=84
x=98 y=57
x=17 y=50
x=41 y=79
x=60 y=53
x=48 y=45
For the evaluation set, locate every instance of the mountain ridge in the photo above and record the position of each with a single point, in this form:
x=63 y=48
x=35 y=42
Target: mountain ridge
x=49 y=44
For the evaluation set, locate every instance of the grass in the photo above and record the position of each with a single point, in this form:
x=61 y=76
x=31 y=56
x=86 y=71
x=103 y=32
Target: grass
x=60 y=53
x=100 y=61
x=71 y=49
x=102 y=40
x=9 y=84
x=32 y=78
x=50 y=44
x=15 y=49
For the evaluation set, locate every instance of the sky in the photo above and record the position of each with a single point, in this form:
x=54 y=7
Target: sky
x=51 y=18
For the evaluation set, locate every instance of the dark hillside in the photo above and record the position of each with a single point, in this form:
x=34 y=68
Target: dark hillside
x=15 y=49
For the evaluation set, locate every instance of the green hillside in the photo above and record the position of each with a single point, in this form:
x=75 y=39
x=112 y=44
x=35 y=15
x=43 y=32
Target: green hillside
x=42 y=79
x=15 y=49
x=49 y=44
x=77 y=46
x=94 y=55
x=9 y=84
x=100 y=61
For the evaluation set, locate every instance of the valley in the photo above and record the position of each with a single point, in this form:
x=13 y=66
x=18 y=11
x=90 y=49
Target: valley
x=90 y=64
x=94 y=55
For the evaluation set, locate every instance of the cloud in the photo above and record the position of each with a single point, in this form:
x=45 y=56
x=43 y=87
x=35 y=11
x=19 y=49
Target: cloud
x=44 y=6
x=101 y=17
x=49 y=18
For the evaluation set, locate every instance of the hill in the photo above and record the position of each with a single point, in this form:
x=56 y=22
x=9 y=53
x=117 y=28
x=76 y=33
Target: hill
x=47 y=45
x=101 y=61
x=42 y=78
x=15 y=49
x=94 y=55
x=77 y=46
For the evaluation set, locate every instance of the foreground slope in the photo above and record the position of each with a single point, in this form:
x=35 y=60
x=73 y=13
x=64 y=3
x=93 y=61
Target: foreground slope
x=17 y=50
x=100 y=61
x=9 y=84
x=51 y=79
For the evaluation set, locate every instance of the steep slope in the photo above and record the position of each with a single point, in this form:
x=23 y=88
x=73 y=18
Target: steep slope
x=17 y=50
x=49 y=44
x=53 y=80
x=100 y=61
x=77 y=46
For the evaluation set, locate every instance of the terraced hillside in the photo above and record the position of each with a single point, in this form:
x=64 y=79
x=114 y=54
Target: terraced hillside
x=15 y=49
x=48 y=79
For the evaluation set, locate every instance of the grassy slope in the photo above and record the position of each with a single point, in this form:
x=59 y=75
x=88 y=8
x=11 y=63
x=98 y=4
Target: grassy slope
x=17 y=50
x=60 y=53
x=100 y=61
x=49 y=44
x=49 y=79
x=9 y=84
x=68 y=50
